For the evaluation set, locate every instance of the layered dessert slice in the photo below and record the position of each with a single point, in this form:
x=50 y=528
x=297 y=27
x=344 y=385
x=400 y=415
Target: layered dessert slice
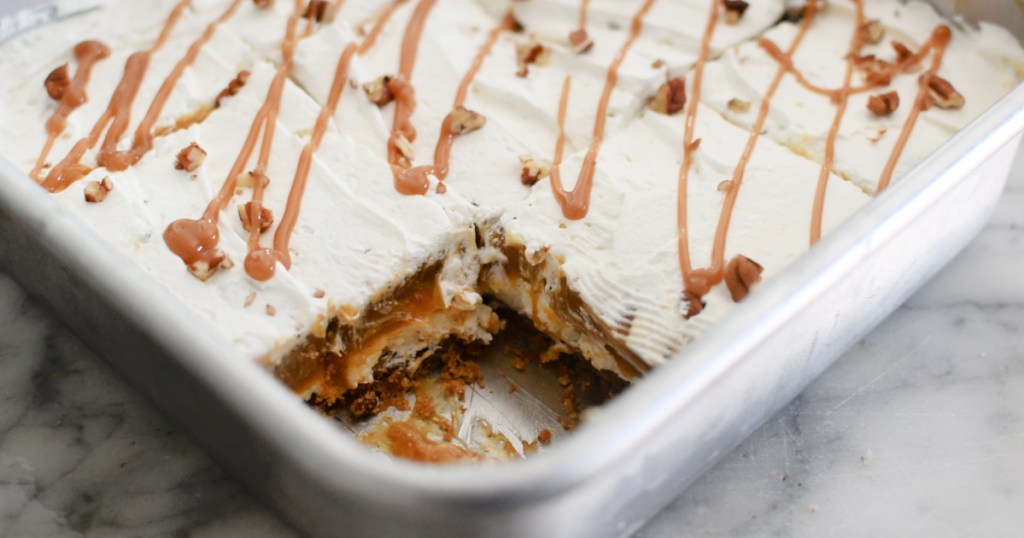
x=324 y=283
x=346 y=190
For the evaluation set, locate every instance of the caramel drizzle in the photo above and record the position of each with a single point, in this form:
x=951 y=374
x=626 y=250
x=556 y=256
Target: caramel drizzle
x=405 y=100
x=842 y=98
x=88 y=54
x=70 y=169
x=293 y=206
x=784 y=60
x=195 y=241
x=576 y=203
x=682 y=237
x=584 y=6
x=936 y=45
x=415 y=179
x=115 y=160
x=938 y=41
x=699 y=281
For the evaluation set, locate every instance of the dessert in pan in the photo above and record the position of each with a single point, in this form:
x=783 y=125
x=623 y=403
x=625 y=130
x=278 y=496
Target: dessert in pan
x=347 y=190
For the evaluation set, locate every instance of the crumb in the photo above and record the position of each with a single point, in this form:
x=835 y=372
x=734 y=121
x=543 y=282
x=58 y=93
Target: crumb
x=512 y=388
x=544 y=436
x=271 y=310
x=250 y=298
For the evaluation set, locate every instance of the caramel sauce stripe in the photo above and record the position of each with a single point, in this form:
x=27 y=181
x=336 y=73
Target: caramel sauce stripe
x=699 y=281
x=282 y=236
x=576 y=203
x=70 y=169
x=417 y=177
x=402 y=131
x=843 y=97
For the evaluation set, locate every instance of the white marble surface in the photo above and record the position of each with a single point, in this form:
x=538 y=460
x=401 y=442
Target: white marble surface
x=917 y=431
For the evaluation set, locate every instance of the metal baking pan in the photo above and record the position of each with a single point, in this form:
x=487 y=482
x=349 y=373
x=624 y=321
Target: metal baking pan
x=620 y=467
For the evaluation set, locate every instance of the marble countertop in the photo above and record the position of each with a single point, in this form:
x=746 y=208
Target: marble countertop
x=917 y=431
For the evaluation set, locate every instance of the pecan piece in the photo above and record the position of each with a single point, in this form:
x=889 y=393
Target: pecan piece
x=379 y=91
x=580 y=41
x=405 y=150
x=671 y=97
x=531 y=52
x=884 y=104
x=247 y=180
x=532 y=171
x=232 y=88
x=877 y=72
x=97 y=191
x=871 y=31
x=694 y=304
x=734 y=10
x=464 y=120
x=903 y=52
x=210 y=262
x=739 y=106
x=741 y=273
x=320 y=11
x=190 y=158
x=942 y=94
x=264 y=220
x=57 y=82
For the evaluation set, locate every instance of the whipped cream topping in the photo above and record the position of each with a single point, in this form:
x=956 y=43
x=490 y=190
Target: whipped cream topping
x=356 y=236
x=982 y=64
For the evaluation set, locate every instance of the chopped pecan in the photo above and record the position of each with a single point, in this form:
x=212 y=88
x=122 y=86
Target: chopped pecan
x=232 y=88
x=580 y=41
x=884 y=104
x=247 y=180
x=877 y=72
x=57 y=82
x=738 y=105
x=405 y=150
x=531 y=52
x=212 y=260
x=734 y=10
x=694 y=304
x=320 y=11
x=464 y=120
x=871 y=31
x=903 y=52
x=96 y=191
x=190 y=158
x=379 y=90
x=671 y=97
x=942 y=94
x=264 y=220
x=741 y=273
x=532 y=171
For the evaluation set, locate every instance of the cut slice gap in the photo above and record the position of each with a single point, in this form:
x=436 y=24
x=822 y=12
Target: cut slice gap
x=477 y=403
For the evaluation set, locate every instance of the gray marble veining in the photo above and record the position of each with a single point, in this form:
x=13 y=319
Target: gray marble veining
x=917 y=431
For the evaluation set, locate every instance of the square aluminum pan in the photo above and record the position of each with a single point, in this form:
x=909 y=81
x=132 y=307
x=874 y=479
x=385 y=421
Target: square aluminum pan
x=636 y=453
